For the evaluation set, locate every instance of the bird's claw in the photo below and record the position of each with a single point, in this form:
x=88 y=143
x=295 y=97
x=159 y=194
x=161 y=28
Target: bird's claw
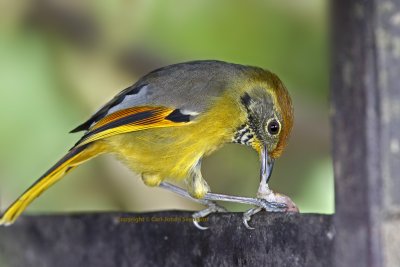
x=246 y=224
x=247 y=217
x=212 y=207
x=263 y=204
x=197 y=224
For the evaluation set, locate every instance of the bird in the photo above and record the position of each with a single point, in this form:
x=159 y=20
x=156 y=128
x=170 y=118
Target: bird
x=163 y=125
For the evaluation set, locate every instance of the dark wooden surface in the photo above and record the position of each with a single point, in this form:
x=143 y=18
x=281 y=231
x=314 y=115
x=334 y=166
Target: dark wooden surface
x=366 y=131
x=102 y=240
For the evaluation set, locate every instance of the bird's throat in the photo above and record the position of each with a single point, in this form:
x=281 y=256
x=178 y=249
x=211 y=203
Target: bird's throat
x=244 y=135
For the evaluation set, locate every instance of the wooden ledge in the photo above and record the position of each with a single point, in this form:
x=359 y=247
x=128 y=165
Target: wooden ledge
x=167 y=239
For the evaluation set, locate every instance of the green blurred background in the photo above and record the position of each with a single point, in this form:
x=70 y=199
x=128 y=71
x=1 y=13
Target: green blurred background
x=61 y=60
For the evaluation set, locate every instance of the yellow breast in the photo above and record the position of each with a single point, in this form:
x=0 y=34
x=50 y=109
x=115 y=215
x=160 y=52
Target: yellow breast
x=171 y=152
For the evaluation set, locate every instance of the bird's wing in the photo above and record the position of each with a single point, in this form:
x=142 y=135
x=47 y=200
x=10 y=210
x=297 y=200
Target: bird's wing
x=191 y=87
x=134 y=119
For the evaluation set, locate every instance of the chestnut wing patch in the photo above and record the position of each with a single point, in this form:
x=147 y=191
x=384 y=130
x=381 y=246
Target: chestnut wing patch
x=134 y=119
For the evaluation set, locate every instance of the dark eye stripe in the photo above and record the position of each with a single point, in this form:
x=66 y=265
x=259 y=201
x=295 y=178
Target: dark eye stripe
x=245 y=99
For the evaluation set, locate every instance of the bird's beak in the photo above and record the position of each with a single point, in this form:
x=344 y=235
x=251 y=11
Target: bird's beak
x=267 y=164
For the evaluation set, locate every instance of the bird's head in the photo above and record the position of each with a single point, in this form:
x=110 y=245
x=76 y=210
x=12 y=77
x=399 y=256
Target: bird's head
x=269 y=117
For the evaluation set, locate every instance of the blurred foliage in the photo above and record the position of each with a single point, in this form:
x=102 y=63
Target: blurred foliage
x=61 y=60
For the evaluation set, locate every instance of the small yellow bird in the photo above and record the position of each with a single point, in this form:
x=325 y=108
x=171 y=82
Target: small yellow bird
x=162 y=126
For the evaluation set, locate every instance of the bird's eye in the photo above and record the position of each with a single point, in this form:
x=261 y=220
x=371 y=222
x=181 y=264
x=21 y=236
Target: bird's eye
x=273 y=127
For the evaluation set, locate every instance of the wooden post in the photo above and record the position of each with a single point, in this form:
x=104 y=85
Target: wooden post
x=366 y=131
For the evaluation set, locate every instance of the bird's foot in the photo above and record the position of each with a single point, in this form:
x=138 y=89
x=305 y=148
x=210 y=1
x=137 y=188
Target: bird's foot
x=247 y=217
x=271 y=202
x=212 y=207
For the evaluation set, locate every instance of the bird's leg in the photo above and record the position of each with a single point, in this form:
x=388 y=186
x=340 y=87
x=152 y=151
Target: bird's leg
x=197 y=188
x=183 y=193
x=263 y=192
x=247 y=216
x=261 y=203
x=268 y=195
x=196 y=185
x=285 y=203
x=210 y=198
x=211 y=206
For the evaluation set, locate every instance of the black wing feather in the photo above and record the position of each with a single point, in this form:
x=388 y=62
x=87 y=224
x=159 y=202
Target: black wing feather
x=101 y=113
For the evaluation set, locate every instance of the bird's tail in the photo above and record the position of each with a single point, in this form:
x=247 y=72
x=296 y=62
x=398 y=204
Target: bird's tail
x=71 y=160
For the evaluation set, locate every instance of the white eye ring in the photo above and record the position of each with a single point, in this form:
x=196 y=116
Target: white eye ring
x=273 y=126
